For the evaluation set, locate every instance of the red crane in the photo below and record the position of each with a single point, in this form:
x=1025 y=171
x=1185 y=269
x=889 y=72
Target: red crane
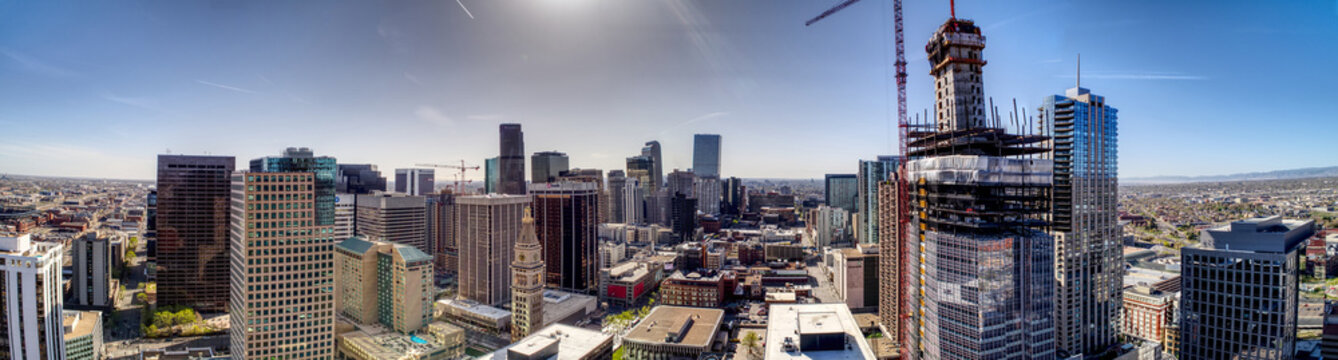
x=903 y=127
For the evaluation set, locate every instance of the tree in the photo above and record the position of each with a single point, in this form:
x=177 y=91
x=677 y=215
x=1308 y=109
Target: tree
x=750 y=340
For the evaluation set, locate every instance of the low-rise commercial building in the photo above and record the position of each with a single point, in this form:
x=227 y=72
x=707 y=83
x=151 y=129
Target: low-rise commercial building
x=437 y=341
x=708 y=290
x=627 y=283
x=473 y=314
x=83 y=335
x=672 y=332
x=557 y=341
x=1147 y=312
x=814 y=331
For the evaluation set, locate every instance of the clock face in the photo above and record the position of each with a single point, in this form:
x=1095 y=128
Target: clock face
x=522 y=257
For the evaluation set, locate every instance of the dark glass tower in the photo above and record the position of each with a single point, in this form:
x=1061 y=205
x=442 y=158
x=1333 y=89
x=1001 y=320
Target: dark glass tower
x=566 y=219
x=706 y=155
x=302 y=160
x=359 y=179
x=191 y=220
x=652 y=151
x=511 y=163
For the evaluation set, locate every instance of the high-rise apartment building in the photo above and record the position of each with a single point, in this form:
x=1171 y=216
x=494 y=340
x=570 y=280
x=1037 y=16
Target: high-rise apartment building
x=415 y=182
x=707 y=189
x=1089 y=266
x=652 y=151
x=282 y=267
x=511 y=162
x=1239 y=290
x=491 y=175
x=304 y=160
x=706 y=155
x=30 y=280
x=894 y=269
x=346 y=214
x=681 y=182
x=441 y=232
x=359 y=179
x=92 y=258
x=841 y=191
x=385 y=283
x=658 y=207
x=394 y=217
x=871 y=172
x=565 y=221
x=486 y=230
x=191 y=221
x=633 y=202
x=978 y=202
x=527 y=285
x=545 y=166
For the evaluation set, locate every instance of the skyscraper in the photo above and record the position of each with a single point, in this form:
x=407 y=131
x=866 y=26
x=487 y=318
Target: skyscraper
x=415 y=181
x=641 y=167
x=545 y=166
x=733 y=196
x=346 y=214
x=441 y=232
x=984 y=269
x=511 y=162
x=486 y=229
x=191 y=249
x=527 y=286
x=491 y=175
x=617 y=181
x=304 y=160
x=706 y=154
x=394 y=217
x=1089 y=262
x=32 y=326
x=652 y=151
x=565 y=221
x=591 y=176
x=683 y=216
x=359 y=179
x=1239 y=290
x=871 y=172
x=92 y=270
x=842 y=191
x=282 y=265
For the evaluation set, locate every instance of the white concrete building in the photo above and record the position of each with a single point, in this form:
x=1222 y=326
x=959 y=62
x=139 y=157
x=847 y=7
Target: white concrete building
x=814 y=331
x=92 y=270
x=345 y=216
x=31 y=283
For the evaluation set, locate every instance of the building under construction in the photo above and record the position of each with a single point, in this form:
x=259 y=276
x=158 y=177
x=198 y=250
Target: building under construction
x=979 y=253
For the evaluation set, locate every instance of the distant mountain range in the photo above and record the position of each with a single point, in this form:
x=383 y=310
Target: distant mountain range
x=1331 y=171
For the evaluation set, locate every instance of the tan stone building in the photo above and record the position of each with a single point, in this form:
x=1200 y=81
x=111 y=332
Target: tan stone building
x=527 y=286
x=382 y=282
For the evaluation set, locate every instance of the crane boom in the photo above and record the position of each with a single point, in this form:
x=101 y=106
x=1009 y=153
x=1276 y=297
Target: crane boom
x=460 y=178
x=833 y=10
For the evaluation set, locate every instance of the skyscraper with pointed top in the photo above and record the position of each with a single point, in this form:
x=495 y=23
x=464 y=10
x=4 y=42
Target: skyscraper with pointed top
x=527 y=281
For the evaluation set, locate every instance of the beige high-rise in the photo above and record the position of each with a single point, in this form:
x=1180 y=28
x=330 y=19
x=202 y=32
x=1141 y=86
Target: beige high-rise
x=383 y=282
x=527 y=286
x=487 y=228
x=282 y=264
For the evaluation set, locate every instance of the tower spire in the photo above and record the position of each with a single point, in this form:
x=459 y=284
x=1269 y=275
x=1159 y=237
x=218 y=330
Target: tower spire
x=952 y=8
x=1078 y=83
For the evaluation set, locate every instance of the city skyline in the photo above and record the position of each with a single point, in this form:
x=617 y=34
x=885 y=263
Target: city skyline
x=763 y=81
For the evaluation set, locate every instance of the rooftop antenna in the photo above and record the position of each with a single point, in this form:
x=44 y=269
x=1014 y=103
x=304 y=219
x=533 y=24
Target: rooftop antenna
x=1079 y=77
x=952 y=7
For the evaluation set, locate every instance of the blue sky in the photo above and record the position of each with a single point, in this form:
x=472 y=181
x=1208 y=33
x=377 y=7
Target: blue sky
x=96 y=89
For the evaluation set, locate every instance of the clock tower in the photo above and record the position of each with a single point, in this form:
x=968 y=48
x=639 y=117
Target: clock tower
x=527 y=281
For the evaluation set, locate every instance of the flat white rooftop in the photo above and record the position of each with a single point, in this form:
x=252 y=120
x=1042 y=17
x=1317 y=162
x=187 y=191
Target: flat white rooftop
x=573 y=342
x=787 y=321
